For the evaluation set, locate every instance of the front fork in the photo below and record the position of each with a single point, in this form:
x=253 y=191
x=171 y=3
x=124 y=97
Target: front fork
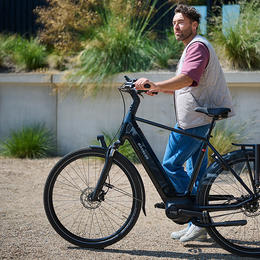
x=107 y=166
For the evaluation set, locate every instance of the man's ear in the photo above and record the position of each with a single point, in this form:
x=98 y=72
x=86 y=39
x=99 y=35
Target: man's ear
x=195 y=26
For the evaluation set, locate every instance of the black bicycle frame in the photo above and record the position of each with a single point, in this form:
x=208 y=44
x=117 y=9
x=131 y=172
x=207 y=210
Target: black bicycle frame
x=130 y=131
x=149 y=160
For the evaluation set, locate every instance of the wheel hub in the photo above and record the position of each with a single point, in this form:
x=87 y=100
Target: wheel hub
x=251 y=209
x=85 y=199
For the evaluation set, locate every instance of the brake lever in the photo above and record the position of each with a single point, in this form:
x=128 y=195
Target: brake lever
x=130 y=84
x=127 y=78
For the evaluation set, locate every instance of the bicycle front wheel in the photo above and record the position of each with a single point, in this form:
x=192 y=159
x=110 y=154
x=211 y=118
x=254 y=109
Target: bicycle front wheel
x=220 y=187
x=78 y=219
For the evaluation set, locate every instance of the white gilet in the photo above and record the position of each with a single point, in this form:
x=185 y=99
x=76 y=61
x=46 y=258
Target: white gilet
x=211 y=91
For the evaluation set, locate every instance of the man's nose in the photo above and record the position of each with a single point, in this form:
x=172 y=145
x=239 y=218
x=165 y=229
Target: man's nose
x=176 y=27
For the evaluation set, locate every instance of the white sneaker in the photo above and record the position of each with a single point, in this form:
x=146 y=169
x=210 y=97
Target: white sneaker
x=194 y=233
x=179 y=234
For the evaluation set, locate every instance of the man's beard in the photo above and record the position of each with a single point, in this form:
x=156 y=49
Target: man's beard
x=184 y=36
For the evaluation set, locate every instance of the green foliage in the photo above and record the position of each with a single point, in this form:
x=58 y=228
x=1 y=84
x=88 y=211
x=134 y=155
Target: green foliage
x=29 y=142
x=241 y=43
x=121 y=44
x=6 y=46
x=30 y=54
x=224 y=134
x=114 y=50
x=2 y=53
x=66 y=22
x=190 y=2
x=22 y=53
x=58 y=61
x=165 y=53
x=2 y=57
x=125 y=149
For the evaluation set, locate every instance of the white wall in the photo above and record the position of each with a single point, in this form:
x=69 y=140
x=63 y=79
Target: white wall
x=247 y=108
x=26 y=100
x=76 y=121
x=81 y=120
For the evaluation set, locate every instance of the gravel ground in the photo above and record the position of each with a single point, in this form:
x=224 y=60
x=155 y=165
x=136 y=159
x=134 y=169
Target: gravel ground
x=25 y=232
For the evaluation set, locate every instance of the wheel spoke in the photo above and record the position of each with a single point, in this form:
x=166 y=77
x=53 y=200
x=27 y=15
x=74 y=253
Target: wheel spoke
x=123 y=192
x=81 y=220
x=220 y=184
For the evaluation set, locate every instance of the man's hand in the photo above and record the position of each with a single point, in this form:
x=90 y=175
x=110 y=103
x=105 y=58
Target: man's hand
x=140 y=85
x=166 y=86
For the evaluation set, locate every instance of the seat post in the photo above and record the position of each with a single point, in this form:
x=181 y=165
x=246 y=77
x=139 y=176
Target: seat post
x=211 y=128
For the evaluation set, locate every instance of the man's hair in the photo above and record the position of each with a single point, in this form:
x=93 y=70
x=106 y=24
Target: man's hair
x=189 y=12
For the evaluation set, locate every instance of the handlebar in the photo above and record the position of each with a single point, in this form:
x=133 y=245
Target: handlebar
x=129 y=85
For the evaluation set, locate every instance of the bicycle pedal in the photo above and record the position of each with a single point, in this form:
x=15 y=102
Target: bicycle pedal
x=159 y=205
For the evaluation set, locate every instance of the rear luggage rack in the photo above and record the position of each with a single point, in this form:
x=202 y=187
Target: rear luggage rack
x=256 y=148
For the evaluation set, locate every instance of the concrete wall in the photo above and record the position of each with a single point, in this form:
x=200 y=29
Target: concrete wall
x=26 y=99
x=30 y=98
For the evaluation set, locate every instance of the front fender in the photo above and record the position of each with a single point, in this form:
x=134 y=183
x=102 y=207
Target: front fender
x=140 y=181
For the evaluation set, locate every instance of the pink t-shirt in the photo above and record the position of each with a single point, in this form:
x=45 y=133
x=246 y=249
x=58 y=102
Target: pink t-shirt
x=195 y=62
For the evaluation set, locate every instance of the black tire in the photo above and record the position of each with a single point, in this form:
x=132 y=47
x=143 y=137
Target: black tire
x=240 y=240
x=85 y=223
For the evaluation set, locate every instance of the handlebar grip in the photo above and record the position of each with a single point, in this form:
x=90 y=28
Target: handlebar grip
x=148 y=86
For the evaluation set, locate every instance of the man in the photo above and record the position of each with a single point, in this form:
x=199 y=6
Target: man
x=199 y=82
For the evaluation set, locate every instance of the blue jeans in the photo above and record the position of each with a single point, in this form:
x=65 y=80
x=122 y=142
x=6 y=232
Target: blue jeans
x=181 y=149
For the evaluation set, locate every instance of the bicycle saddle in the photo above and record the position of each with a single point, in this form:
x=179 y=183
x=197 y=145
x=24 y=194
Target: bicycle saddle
x=218 y=113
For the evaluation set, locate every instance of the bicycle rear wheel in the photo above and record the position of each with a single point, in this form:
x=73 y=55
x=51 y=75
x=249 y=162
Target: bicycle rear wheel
x=78 y=219
x=221 y=187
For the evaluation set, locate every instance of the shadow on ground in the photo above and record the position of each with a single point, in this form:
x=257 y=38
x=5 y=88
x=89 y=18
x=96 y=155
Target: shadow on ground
x=194 y=252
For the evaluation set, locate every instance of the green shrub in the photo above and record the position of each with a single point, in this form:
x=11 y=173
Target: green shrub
x=2 y=57
x=7 y=44
x=165 y=53
x=115 y=49
x=240 y=44
x=66 y=23
x=121 y=44
x=125 y=149
x=29 y=142
x=190 y=2
x=22 y=53
x=224 y=134
x=2 y=53
x=57 y=61
x=29 y=54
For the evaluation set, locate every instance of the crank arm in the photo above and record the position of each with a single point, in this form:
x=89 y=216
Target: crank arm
x=222 y=224
x=197 y=214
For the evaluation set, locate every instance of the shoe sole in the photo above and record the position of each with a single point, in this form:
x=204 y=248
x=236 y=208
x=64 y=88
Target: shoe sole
x=199 y=238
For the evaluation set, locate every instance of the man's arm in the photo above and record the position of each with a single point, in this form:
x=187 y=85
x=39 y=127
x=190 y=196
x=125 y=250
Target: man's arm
x=166 y=86
x=196 y=60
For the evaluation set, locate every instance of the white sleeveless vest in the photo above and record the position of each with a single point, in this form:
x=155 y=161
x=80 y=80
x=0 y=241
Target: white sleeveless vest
x=211 y=91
